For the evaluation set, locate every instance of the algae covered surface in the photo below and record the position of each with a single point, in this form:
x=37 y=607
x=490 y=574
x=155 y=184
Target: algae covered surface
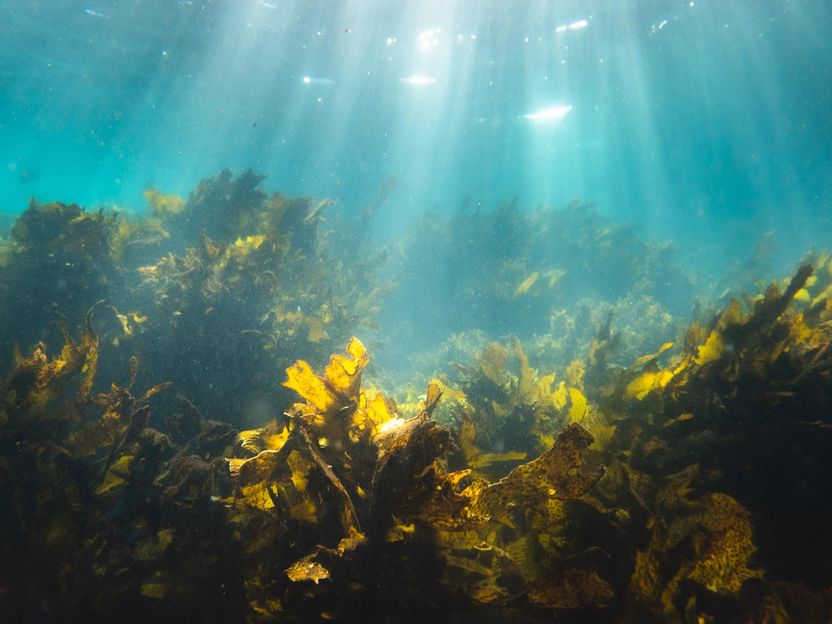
x=192 y=424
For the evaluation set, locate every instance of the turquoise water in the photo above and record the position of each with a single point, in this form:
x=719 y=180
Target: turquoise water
x=598 y=231
x=708 y=122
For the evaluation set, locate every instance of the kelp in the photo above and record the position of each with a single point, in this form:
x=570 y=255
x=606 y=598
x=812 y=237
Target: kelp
x=516 y=410
x=686 y=431
x=38 y=380
x=343 y=507
x=298 y=300
x=551 y=271
x=715 y=438
x=180 y=271
x=58 y=257
x=155 y=462
x=345 y=490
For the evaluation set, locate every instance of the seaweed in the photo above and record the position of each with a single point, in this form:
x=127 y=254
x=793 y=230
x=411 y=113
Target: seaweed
x=155 y=464
x=54 y=271
x=550 y=271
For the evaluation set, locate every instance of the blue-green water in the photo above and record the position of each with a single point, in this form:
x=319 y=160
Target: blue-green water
x=708 y=122
x=578 y=253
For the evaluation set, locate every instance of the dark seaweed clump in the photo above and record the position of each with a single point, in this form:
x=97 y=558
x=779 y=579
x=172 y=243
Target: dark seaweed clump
x=173 y=444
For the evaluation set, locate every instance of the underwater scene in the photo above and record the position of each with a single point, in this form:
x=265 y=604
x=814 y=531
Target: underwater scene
x=465 y=311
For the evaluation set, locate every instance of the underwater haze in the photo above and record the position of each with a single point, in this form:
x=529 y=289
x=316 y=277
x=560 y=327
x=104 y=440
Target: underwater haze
x=416 y=311
x=706 y=121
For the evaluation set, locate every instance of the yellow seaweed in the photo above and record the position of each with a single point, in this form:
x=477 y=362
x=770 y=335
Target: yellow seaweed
x=315 y=390
x=163 y=205
x=711 y=350
x=640 y=386
x=307 y=570
x=526 y=284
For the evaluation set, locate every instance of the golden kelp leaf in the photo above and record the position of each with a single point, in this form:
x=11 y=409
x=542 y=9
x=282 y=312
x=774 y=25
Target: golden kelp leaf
x=147 y=231
x=526 y=387
x=719 y=533
x=640 y=386
x=448 y=392
x=524 y=551
x=156 y=390
x=802 y=295
x=603 y=434
x=558 y=473
x=454 y=478
x=432 y=398
x=259 y=468
x=357 y=351
x=526 y=284
x=544 y=385
x=264 y=480
x=500 y=411
x=253 y=441
x=712 y=349
x=343 y=374
x=306 y=569
x=471 y=565
x=89 y=344
x=487 y=592
x=258 y=496
x=467 y=436
x=399 y=532
x=163 y=205
x=274 y=440
x=244 y=246
x=724 y=553
x=301 y=378
x=255 y=478
x=317 y=331
x=250 y=441
x=578 y=407
x=560 y=396
x=150 y=271
x=116 y=475
x=234 y=465
x=799 y=331
x=646 y=382
x=300 y=467
x=823 y=296
x=353 y=540
x=37 y=379
x=374 y=414
x=124 y=321
x=646 y=359
x=459 y=539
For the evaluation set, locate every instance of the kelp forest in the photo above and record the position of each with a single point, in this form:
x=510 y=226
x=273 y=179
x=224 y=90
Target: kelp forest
x=239 y=407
